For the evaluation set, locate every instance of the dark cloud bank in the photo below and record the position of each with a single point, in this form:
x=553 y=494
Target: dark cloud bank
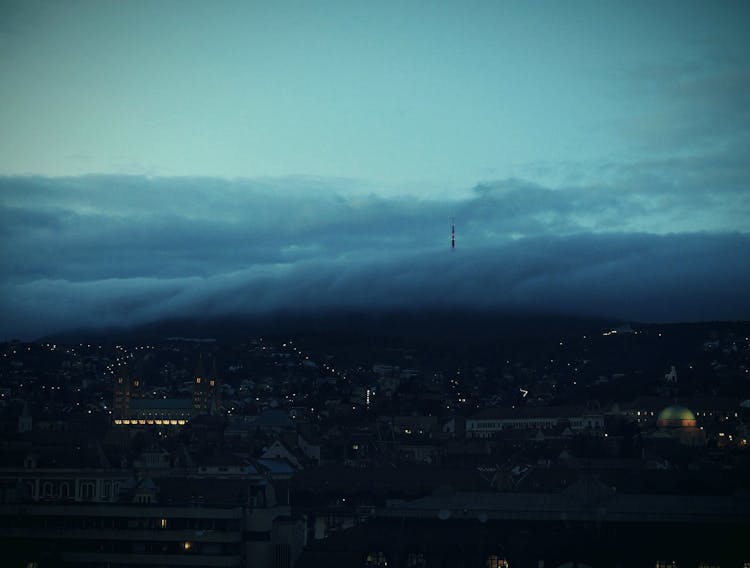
x=109 y=251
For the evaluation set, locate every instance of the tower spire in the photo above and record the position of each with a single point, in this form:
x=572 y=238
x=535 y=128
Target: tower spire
x=453 y=234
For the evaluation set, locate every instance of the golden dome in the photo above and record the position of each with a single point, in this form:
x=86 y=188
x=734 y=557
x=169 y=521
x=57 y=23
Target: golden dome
x=676 y=416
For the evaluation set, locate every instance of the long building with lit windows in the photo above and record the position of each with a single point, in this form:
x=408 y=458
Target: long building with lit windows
x=493 y=421
x=156 y=412
x=133 y=407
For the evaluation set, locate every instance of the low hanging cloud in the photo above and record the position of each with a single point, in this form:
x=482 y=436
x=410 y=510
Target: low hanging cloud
x=110 y=250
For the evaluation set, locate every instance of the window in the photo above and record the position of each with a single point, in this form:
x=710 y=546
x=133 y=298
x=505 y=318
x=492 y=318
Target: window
x=87 y=491
x=64 y=490
x=47 y=489
x=665 y=564
x=162 y=523
x=494 y=561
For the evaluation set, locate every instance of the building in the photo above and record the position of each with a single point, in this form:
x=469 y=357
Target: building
x=679 y=423
x=206 y=391
x=489 y=422
x=586 y=525
x=131 y=406
x=156 y=412
x=112 y=518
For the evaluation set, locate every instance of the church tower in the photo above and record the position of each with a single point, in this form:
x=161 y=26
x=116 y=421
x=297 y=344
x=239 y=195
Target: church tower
x=128 y=385
x=206 y=390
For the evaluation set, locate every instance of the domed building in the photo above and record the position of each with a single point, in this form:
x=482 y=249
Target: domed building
x=680 y=424
x=676 y=416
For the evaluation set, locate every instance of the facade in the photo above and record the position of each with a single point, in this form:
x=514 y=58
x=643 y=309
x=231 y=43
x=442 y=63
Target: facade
x=132 y=408
x=156 y=412
x=123 y=535
x=206 y=393
x=113 y=518
x=492 y=421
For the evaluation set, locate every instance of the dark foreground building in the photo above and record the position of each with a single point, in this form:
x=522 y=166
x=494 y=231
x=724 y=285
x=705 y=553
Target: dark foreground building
x=161 y=522
x=586 y=525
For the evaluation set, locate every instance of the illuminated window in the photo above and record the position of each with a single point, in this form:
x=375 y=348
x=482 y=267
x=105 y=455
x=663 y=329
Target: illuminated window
x=494 y=561
x=708 y=565
x=376 y=559
x=187 y=545
x=163 y=525
x=665 y=564
x=197 y=380
x=212 y=382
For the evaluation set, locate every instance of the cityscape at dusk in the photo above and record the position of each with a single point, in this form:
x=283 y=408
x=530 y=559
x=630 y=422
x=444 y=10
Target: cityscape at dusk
x=374 y=284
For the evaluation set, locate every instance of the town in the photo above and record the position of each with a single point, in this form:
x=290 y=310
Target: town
x=288 y=451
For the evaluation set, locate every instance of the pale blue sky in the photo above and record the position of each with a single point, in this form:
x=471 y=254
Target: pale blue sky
x=420 y=97
x=171 y=158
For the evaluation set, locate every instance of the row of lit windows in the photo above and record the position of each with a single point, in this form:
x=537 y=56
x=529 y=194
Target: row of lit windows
x=149 y=422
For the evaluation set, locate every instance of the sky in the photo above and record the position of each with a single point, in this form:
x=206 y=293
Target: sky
x=162 y=159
